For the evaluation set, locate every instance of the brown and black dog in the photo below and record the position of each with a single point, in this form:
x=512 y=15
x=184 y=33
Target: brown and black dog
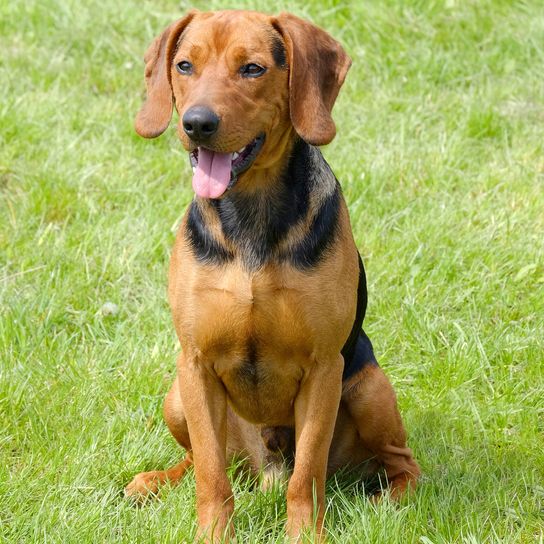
x=267 y=289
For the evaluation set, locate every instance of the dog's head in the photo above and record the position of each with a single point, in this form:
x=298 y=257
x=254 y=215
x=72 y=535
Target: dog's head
x=241 y=82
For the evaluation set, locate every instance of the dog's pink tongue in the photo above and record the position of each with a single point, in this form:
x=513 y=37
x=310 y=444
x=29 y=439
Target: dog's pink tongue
x=212 y=174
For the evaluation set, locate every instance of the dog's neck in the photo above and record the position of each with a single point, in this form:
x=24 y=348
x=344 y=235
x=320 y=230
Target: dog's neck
x=293 y=217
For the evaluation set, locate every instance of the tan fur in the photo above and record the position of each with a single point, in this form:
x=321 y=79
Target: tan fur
x=298 y=319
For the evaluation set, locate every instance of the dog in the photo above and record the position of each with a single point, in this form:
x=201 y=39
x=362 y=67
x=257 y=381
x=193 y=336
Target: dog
x=266 y=286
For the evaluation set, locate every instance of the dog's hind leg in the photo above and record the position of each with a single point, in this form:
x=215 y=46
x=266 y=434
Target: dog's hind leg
x=371 y=402
x=147 y=483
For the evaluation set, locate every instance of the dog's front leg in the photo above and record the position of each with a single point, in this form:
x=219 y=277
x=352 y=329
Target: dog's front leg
x=205 y=403
x=316 y=407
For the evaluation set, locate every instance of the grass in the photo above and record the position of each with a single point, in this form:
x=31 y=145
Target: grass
x=441 y=155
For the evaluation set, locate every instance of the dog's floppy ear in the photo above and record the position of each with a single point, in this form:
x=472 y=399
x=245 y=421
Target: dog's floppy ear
x=318 y=66
x=155 y=114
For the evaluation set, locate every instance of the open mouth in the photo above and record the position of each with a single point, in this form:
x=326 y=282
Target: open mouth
x=214 y=172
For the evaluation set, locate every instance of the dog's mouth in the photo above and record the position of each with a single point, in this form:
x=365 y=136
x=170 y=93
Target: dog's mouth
x=214 y=172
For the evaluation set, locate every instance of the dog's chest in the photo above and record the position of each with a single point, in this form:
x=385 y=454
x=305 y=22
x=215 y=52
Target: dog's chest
x=255 y=331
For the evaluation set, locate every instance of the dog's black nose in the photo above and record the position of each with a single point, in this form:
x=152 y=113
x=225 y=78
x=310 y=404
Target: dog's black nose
x=200 y=123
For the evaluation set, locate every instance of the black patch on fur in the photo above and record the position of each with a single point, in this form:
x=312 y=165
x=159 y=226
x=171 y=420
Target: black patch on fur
x=321 y=234
x=278 y=52
x=248 y=371
x=206 y=248
x=357 y=350
x=363 y=355
x=257 y=223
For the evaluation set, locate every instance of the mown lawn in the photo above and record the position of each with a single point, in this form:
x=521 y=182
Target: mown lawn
x=440 y=151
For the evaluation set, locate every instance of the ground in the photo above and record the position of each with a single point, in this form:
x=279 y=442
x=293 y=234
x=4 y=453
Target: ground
x=440 y=152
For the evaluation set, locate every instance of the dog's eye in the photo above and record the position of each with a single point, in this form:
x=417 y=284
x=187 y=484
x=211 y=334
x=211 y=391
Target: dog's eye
x=184 y=67
x=252 y=70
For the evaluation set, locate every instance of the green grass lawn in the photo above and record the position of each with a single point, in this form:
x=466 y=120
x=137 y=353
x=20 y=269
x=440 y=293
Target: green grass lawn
x=440 y=151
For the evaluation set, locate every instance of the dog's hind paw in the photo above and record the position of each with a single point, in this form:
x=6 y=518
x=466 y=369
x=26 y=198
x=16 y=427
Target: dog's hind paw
x=147 y=484
x=144 y=485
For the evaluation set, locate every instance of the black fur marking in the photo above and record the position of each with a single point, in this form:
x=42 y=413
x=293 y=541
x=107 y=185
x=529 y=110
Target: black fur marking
x=321 y=234
x=363 y=355
x=206 y=248
x=278 y=52
x=248 y=372
x=257 y=223
x=357 y=350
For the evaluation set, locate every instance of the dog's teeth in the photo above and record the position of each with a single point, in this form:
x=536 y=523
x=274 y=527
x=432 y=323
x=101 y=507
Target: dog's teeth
x=194 y=169
x=235 y=156
x=242 y=150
